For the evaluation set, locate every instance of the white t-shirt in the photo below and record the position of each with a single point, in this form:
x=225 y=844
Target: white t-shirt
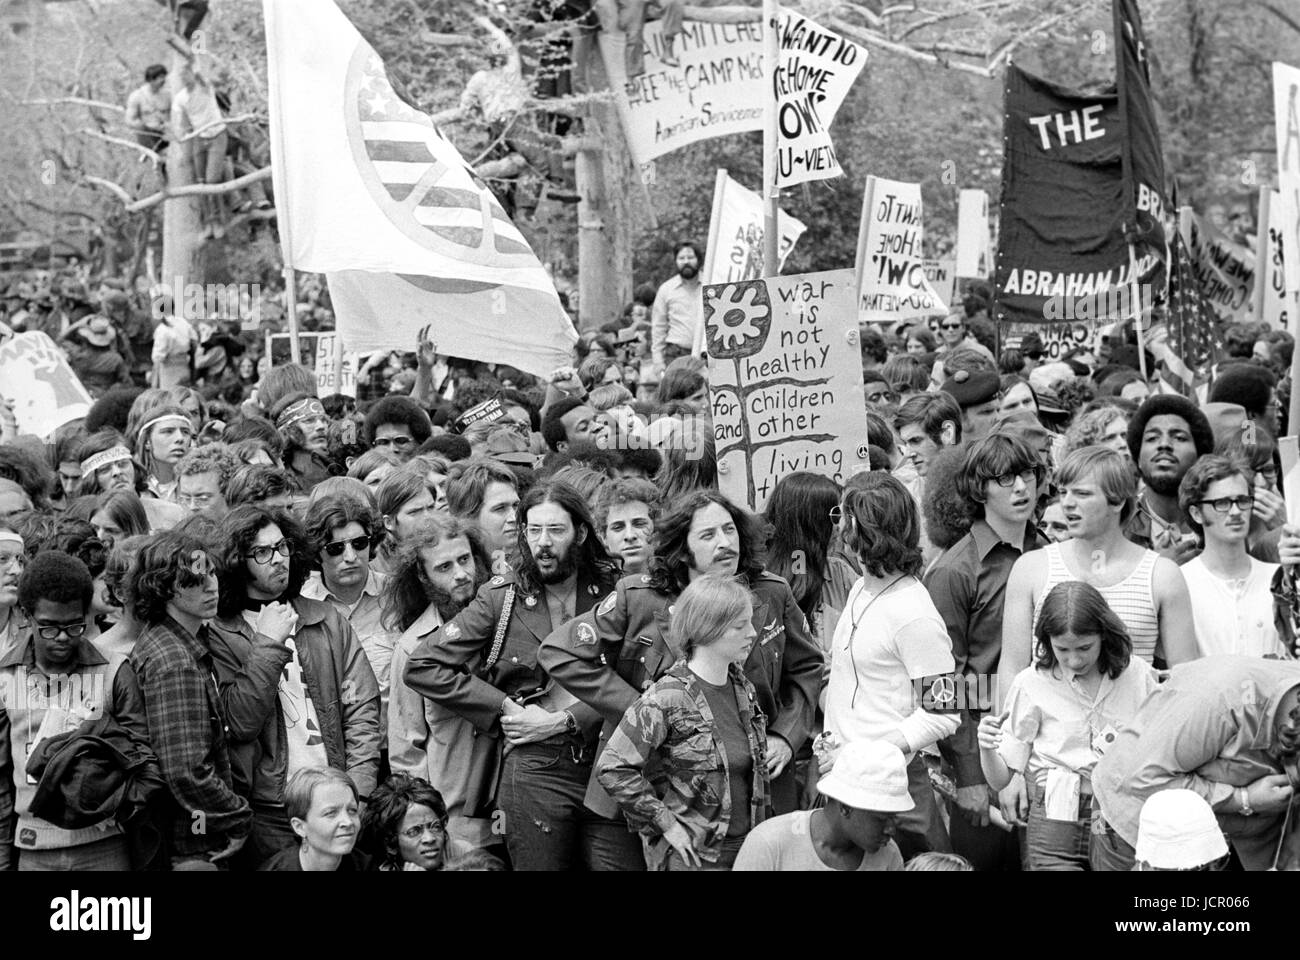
x=900 y=638
x=303 y=740
x=785 y=843
x=1233 y=616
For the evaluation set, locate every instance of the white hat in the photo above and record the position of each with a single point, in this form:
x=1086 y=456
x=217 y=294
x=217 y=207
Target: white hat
x=869 y=775
x=1178 y=831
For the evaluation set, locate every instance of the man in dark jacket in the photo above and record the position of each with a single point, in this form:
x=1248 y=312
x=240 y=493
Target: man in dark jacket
x=609 y=655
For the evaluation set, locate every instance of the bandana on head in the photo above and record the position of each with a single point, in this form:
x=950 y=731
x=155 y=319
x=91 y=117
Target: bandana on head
x=8 y=536
x=304 y=409
x=178 y=417
x=102 y=459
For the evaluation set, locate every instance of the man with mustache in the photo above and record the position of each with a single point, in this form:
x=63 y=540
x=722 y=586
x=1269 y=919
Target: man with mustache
x=678 y=308
x=302 y=421
x=483 y=666
x=296 y=686
x=434 y=578
x=609 y=656
x=1165 y=437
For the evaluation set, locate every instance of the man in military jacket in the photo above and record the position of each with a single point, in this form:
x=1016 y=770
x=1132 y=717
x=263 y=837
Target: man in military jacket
x=609 y=655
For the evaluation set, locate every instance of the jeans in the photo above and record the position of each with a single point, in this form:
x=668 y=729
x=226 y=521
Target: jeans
x=548 y=827
x=921 y=829
x=107 y=854
x=209 y=167
x=1058 y=844
x=1109 y=851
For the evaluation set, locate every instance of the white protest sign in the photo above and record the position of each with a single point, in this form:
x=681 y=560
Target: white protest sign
x=735 y=249
x=715 y=89
x=890 y=263
x=813 y=76
x=1288 y=449
x=1272 y=305
x=1286 y=119
x=326 y=345
x=973 y=234
x=1224 y=271
x=942 y=275
x=35 y=376
x=785 y=381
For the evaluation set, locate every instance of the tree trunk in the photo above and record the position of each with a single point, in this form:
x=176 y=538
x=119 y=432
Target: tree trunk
x=184 y=259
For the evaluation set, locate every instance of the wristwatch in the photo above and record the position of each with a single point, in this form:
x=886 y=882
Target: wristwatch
x=1243 y=800
x=570 y=722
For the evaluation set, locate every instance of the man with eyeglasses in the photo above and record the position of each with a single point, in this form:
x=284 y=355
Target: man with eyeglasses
x=295 y=683
x=396 y=424
x=50 y=684
x=1000 y=476
x=1231 y=591
x=343 y=532
x=201 y=478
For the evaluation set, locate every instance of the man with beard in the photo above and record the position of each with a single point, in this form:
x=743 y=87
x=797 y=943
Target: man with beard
x=483 y=667
x=302 y=422
x=609 y=656
x=295 y=683
x=433 y=579
x=1165 y=437
x=678 y=309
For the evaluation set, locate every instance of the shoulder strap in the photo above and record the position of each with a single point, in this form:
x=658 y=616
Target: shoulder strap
x=497 y=641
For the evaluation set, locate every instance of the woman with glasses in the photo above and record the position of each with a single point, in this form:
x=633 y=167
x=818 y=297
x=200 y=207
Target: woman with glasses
x=1231 y=591
x=405 y=826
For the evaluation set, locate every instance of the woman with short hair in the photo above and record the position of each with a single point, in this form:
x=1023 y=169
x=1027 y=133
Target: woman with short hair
x=324 y=809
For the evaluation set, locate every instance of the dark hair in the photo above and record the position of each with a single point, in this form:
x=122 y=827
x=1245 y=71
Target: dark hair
x=29 y=472
x=255 y=428
x=154 y=71
x=257 y=482
x=989 y=458
x=400 y=410
x=1112 y=383
x=921 y=333
x=283 y=379
x=644 y=460
x=592 y=557
x=118 y=570
x=126 y=510
x=329 y=513
x=449 y=445
x=879 y=434
x=239 y=528
x=467 y=485
x=931 y=411
x=399 y=488
x=690 y=460
x=671 y=563
x=798 y=515
x=884 y=528
x=1201 y=475
x=1164 y=404
x=625 y=490
x=873 y=346
x=385 y=811
x=553 y=430
x=112 y=409
x=681 y=378
x=57 y=577
x=905 y=373
x=1077 y=607
x=692 y=246
x=98 y=443
x=406 y=594
x=1249 y=384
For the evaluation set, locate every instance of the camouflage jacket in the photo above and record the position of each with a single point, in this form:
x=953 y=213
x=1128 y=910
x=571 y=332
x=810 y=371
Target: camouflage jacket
x=666 y=763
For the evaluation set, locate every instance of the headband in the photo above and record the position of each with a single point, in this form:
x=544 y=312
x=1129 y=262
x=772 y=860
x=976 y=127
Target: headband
x=104 y=458
x=302 y=410
x=8 y=536
x=165 y=417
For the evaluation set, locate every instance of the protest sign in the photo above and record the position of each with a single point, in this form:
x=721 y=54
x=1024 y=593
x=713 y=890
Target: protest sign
x=1272 y=305
x=1061 y=252
x=1286 y=118
x=813 y=76
x=942 y=276
x=890 y=267
x=972 y=234
x=735 y=248
x=785 y=381
x=1224 y=271
x=326 y=361
x=1058 y=338
x=36 y=377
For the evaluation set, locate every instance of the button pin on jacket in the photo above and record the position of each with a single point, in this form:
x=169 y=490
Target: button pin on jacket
x=530 y=601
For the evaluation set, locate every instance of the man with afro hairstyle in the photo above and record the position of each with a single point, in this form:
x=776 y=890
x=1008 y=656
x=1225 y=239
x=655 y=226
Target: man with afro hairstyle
x=1165 y=437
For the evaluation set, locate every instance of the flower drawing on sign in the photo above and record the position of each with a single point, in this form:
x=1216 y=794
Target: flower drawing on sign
x=737 y=319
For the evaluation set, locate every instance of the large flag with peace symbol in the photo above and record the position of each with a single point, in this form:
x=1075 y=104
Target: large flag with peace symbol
x=371 y=194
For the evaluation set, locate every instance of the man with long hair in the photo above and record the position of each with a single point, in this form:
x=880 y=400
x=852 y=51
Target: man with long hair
x=296 y=686
x=483 y=667
x=607 y=657
x=434 y=577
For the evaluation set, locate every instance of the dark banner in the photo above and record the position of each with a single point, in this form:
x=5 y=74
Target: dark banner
x=1143 y=164
x=1062 y=255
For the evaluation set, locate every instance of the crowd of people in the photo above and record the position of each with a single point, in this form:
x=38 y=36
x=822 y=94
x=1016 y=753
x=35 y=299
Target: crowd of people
x=474 y=619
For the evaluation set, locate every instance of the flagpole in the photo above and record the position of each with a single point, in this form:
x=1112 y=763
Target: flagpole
x=1136 y=296
x=281 y=187
x=771 y=196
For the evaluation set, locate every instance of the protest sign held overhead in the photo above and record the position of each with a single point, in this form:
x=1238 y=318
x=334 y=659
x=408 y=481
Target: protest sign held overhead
x=816 y=69
x=1058 y=339
x=1286 y=120
x=36 y=378
x=892 y=282
x=974 y=257
x=1272 y=305
x=371 y=194
x=1224 y=270
x=785 y=381
x=331 y=376
x=735 y=246
x=1062 y=254
x=942 y=276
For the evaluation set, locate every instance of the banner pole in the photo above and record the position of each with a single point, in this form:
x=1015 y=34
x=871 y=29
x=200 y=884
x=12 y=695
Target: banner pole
x=715 y=224
x=281 y=184
x=771 y=196
x=1136 y=296
x=1261 y=252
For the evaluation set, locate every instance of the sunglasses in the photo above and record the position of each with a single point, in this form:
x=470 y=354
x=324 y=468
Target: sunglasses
x=336 y=548
x=951 y=326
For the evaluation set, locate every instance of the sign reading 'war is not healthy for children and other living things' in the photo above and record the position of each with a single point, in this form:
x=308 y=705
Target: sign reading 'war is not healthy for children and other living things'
x=718 y=87
x=891 y=267
x=785 y=380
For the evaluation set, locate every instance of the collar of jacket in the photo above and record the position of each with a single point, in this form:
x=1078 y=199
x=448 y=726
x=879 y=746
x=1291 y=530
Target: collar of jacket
x=986 y=539
x=310 y=612
x=24 y=654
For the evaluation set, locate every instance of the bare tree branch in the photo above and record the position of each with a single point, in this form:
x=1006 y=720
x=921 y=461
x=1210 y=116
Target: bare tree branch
x=1284 y=17
x=112 y=188
x=189 y=190
x=81 y=100
x=207 y=126
x=871 y=39
x=931 y=20
x=153 y=156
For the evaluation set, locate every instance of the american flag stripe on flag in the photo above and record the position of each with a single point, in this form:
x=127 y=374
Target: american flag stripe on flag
x=1193 y=339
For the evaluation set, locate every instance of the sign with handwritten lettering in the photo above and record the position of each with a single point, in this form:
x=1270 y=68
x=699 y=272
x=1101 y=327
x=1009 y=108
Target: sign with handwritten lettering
x=891 y=265
x=1272 y=305
x=1224 y=271
x=785 y=381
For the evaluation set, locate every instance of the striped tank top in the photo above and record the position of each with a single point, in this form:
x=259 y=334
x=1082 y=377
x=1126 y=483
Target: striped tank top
x=1133 y=599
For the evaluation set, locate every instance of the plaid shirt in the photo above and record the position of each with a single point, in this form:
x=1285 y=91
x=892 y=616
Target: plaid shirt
x=188 y=732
